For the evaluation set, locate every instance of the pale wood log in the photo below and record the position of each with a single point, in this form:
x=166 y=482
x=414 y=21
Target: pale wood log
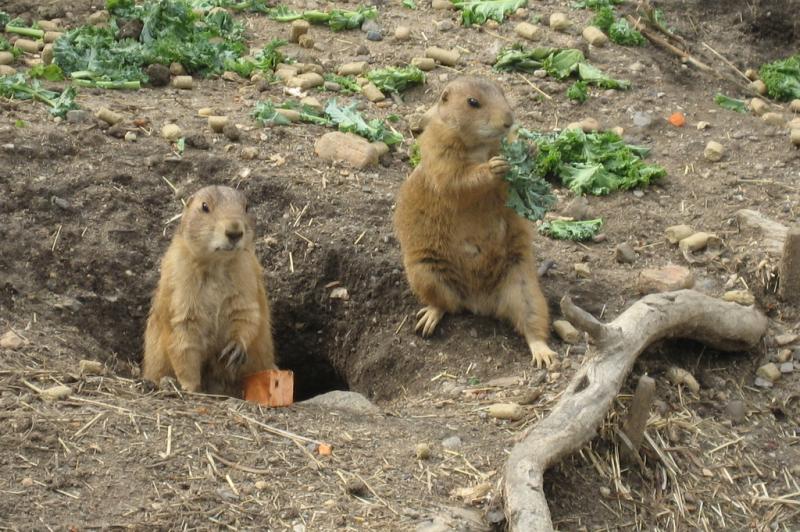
x=586 y=401
x=772 y=234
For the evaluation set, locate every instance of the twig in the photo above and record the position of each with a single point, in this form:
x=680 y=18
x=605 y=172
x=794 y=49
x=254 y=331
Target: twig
x=725 y=60
x=397 y=331
x=55 y=240
x=240 y=467
x=658 y=41
x=534 y=87
x=376 y=495
x=278 y=432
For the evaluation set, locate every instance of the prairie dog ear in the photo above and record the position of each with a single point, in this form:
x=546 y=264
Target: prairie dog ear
x=445 y=95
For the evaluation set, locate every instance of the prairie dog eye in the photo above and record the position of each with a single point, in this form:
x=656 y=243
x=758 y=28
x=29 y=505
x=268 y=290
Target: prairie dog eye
x=205 y=207
x=473 y=103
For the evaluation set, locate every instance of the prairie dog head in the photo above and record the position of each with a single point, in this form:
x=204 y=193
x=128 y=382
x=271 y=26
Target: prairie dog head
x=476 y=109
x=216 y=222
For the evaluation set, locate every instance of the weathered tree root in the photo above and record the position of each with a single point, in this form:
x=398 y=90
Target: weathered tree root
x=589 y=396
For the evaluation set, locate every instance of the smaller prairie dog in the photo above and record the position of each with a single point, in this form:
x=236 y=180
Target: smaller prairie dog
x=209 y=323
x=463 y=248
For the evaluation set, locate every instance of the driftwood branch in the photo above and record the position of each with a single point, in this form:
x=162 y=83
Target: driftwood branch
x=589 y=396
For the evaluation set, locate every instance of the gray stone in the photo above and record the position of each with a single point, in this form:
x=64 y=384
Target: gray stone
x=763 y=383
x=78 y=115
x=448 y=519
x=625 y=253
x=642 y=120
x=343 y=400
x=452 y=442
x=736 y=411
x=374 y=36
x=787 y=367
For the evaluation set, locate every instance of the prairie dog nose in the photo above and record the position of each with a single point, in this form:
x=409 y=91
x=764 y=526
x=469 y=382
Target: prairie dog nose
x=234 y=232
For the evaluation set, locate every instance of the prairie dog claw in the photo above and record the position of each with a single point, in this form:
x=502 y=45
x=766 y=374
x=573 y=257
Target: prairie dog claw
x=499 y=166
x=429 y=318
x=541 y=353
x=233 y=355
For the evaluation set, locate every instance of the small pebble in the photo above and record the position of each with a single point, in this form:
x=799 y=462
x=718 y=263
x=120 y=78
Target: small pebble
x=402 y=33
x=374 y=35
x=356 y=486
x=261 y=485
x=769 y=371
x=422 y=451
x=232 y=132
x=171 y=132
x=582 y=269
x=625 y=254
x=736 y=411
x=787 y=367
x=26 y=482
x=605 y=492
x=642 y=120
x=453 y=442
x=785 y=339
x=785 y=355
x=713 y=151
x=763 y=383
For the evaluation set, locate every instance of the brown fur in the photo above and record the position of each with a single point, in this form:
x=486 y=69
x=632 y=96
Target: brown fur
x=463 y=249
x=209 y=322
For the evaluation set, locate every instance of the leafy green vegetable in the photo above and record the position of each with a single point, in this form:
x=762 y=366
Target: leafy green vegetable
x=336 y=19
x=96 y=50
x=596 y=4
x=414 y=154
x=578 y=91
x=594 y=163
x=732 y=104
x=409 y=4
x=20 y=87
x=571 y=230
x=393 y=79
x=346 y=119
x=264 y=60
x=5 y=18
x=51 y=72
x=19 y=27
x=782 y=78
x=621 y=32
x=604 y=18
x=347 y=83
x=5 y=46
x=479 y=11
x=528 y=193
x=255 y=6
x=559 y=63
x=349 y=120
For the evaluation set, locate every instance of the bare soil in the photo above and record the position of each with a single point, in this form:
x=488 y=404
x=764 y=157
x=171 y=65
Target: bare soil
x=86 y=217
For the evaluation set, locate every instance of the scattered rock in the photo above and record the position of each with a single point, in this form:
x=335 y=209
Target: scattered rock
x=197 y=141
x=91 y=367
x=642 y=120
x=636 y=67
x=703 y=125
x=444 y=25
x=340 y=292
x=343 y=400
x=625 y=254
x=261 y=484
x=759 y=86
x=26 y=482
x=785 y=355
x=452 y=442
x=108 y=116
x=773 y=119
x=529 y=31
x=559 y=22
x=445 y=57
x=402 y=33
x=540 y=73
x=758 y=106
x=372 y=93
x=56 y=393
x=422 y=451
x=714 y=151
x=742 y=297
x=763 y=383
x=77 y=116
x=769 y=371
x=11 y=340
x=297 y=29
x=593 y=35
x=785 y=339
x=309 y=80
x=578 y=209
x=356 y=486
x=787 y=367
x=566 y=331
x=735 y=411
x=699 y=241
x=249 y=153
x=582 y=269
x=232 y=132
x=425 y=64
x=676 y=233
x=678 y=376
x=217 y=123
x=666 y=279
x=374 y=35
x=171 y=132
x=352 y=69
x=158 y=75
x=182 y=82
x=352 y=149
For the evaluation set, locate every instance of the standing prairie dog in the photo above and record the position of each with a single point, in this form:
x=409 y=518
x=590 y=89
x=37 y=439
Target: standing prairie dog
x=209 y=322
x=463 y=248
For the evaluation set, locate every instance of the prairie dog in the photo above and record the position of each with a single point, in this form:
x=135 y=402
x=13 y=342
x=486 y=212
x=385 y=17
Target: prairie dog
x=463 y=248
x=209 y=322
